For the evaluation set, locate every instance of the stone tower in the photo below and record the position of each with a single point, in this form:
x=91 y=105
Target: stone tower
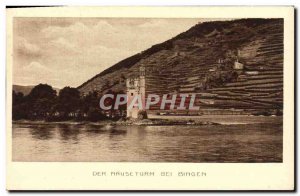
x=136 y=90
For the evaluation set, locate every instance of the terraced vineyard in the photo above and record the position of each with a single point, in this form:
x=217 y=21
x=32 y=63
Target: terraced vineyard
x=183 y=63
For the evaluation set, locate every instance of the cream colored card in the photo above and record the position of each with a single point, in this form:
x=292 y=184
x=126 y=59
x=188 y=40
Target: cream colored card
x=221 y=115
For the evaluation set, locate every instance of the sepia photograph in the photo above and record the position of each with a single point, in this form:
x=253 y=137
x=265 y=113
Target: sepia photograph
x=147 y=90
x=136 y=98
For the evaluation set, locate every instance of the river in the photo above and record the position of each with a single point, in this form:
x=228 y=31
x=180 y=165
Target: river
x=239 y=142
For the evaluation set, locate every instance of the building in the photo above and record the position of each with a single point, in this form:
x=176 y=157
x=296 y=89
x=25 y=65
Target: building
x=238 y=66
x=136 y=88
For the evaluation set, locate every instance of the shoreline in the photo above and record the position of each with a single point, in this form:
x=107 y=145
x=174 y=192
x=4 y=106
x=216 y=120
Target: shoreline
x=145 y=122
x=169 y=121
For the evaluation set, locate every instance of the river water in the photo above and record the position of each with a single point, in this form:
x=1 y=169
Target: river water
x=239 y=142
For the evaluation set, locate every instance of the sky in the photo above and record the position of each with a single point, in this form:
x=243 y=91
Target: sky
x=69 y=51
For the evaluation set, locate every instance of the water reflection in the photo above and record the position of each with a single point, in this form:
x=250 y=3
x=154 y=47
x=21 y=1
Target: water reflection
x=68 y=132
x=91 y=142
x=92 y=130
x=41 y=132
x=117 y=132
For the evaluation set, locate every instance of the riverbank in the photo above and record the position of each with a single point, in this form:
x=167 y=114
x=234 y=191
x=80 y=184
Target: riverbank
x=162 y=122
x=173 y=120
x=127 y=122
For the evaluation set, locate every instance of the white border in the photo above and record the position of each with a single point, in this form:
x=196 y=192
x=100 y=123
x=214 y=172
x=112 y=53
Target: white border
x=111 y=3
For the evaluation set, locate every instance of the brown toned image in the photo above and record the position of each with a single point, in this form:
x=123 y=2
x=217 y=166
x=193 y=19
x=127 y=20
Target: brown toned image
x=199 y=90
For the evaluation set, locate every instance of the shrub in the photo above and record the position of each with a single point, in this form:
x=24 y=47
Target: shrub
x=142 y=115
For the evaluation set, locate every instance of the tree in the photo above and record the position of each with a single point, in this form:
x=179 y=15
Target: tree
x=40 y=101
x=42 y=91
x=122 y=108
x=19 y=107
x=90 y=107
x=18 y=98
x=68 y=102
x=111 y=102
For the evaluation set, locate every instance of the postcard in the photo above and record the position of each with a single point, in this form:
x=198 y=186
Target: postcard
x=150 y=98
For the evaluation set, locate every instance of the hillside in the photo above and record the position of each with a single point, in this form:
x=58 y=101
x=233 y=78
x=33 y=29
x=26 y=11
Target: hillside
x=184 y=63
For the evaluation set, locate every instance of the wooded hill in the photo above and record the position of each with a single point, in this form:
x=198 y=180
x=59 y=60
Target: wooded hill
x=189 y=63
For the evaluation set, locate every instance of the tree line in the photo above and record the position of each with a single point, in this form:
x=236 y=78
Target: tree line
x=44 y=103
